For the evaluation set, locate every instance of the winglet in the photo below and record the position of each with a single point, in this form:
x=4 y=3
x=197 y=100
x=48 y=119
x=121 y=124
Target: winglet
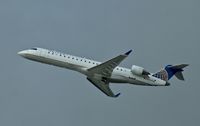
x=127 y=53
x=117 y=94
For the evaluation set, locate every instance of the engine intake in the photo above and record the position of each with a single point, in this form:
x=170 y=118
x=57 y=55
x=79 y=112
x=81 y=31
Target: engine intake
x=139 y=70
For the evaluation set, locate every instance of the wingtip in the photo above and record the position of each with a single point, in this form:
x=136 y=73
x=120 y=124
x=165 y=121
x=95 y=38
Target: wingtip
x=117 y=95
x=127 y=53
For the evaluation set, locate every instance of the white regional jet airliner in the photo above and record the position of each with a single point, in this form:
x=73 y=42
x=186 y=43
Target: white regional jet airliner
x=101 y=74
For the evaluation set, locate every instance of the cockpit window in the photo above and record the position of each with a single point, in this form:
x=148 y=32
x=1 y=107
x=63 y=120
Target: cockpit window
x=33 y=48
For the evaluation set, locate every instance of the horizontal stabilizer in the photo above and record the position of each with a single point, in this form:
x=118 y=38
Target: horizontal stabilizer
x=180 y=66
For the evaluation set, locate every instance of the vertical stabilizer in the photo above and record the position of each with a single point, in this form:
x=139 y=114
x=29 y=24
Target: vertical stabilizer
x=171 y=70
x=179 y=75
x=178 y=70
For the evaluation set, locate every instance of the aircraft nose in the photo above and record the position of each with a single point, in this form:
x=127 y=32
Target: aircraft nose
x=22 y=53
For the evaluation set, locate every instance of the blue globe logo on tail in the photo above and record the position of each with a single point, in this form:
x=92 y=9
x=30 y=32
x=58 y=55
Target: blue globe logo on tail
x=163 y=75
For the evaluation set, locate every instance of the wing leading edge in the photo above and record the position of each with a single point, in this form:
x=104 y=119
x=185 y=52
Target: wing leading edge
x=104 y=71
x=106 y=68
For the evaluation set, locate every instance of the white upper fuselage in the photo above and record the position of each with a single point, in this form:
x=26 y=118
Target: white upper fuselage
x=119 y=74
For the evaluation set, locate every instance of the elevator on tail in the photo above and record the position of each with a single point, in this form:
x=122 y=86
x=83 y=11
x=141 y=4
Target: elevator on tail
x=101 y=74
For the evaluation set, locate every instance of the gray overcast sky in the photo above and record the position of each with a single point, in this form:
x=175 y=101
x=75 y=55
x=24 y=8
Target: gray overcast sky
x=160 y=32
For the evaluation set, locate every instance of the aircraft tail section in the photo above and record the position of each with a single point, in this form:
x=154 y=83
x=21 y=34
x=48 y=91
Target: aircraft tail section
x=170 y=70
x=179 y=75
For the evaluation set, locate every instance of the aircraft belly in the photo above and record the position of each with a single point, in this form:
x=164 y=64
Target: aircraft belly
x=146 y=81
x=65 y=64
x=123 y=79
x=56 y=62
x=118 y=79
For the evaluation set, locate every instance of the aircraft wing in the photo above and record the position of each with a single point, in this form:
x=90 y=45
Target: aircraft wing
x=105 y=69
x=99 y=74
x=103 y=86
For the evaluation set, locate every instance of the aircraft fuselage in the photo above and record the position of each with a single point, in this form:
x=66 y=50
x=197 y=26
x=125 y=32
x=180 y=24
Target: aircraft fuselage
x=119 y=74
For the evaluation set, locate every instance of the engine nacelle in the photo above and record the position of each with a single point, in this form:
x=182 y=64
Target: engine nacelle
x=139 y=70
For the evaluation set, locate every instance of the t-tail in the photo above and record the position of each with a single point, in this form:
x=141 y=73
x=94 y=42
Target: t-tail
x=170 y=70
